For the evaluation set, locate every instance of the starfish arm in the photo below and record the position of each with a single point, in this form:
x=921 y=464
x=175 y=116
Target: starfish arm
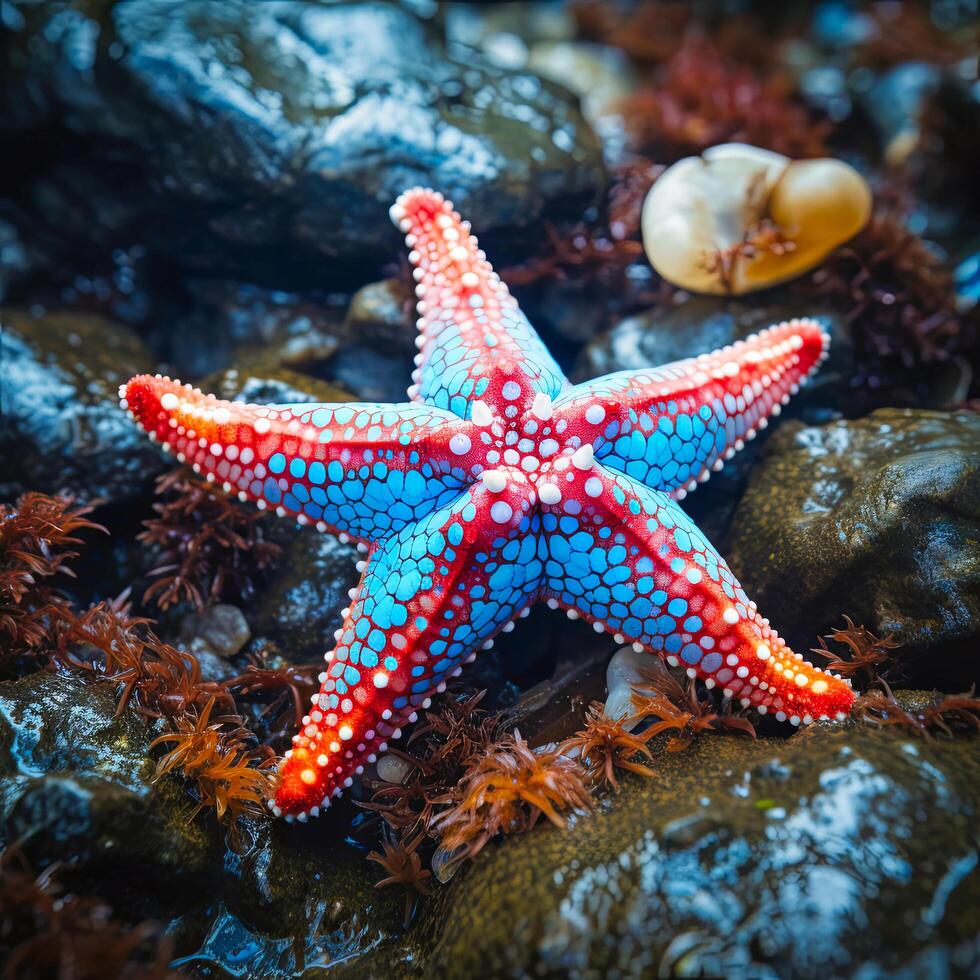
x=632 y=562
x=474 y=342
x=428 y=599
x=670 y=427
x=362 y=470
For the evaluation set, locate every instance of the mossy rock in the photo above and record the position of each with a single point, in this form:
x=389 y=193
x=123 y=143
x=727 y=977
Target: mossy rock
x=843 y=851
x=76 y=788
x=60 y=417
x=876 y=518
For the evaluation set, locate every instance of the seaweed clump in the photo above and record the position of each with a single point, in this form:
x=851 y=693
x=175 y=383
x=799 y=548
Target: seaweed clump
x=469 y=781
x=505 y=790
x=48 y=932
x=680 y=710
x=404 y=867
x=944 y=714
x=899 y=298
x=600 y=253
x=207 y=544
x=38 y=537
x=218 y=759
x=605 y=745
x=866 y=652
x=699 y=97
x=107 y=644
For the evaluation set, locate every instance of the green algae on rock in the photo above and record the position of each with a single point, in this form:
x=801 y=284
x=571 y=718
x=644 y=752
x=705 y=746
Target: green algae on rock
x=59 y=407
x=878 y=518
x=76 y=787
x=841 y=852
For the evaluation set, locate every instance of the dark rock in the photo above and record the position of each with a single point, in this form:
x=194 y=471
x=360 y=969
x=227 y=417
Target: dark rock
x=60 y=420
x=299 y=609
x=302 y=897
x=373 y=374
x=240 y=323
x=857 y=858
x=878 y=519
x=269 y=138
x=76 y=789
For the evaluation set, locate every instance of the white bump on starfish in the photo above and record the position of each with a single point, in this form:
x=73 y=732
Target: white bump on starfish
x=494 y=480
x=583 y=457
x=460 y=444
x=481 y=413
x=593 y=486
x=542 y=406
x=549 y=493
x=595 y=414
x=501 y=511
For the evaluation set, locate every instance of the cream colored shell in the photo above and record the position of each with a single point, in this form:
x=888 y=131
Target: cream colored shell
x=705 y=205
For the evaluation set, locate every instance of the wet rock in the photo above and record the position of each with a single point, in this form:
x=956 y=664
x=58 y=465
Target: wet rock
x=376 y=356
x=60 y=418
x=245 y=324
x=76 y=789
x=878 y=519
x=303 y=897
x=221 y=630
x=601 y=76
x=299 y=609
x=372 y=374
x=358 y=361
x=854 y=857
x=275 y=136
x=264 y=382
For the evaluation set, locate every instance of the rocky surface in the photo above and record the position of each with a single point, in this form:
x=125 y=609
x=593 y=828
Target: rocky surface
x=60 y=418
x=75 y=788
x=237 y=135
x=299 y=609
x=843 y=852
x=877 y=518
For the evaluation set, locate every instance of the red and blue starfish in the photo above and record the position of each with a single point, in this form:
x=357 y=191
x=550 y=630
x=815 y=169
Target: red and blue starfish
x=500 y=484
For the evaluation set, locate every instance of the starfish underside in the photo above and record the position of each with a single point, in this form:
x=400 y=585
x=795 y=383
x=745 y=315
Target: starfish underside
x=500 y=484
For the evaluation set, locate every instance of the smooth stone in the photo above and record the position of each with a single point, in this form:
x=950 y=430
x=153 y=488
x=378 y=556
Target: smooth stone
x=221 y=630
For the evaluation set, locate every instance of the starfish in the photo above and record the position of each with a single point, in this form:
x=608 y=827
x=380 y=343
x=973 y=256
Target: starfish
x=497 y=485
